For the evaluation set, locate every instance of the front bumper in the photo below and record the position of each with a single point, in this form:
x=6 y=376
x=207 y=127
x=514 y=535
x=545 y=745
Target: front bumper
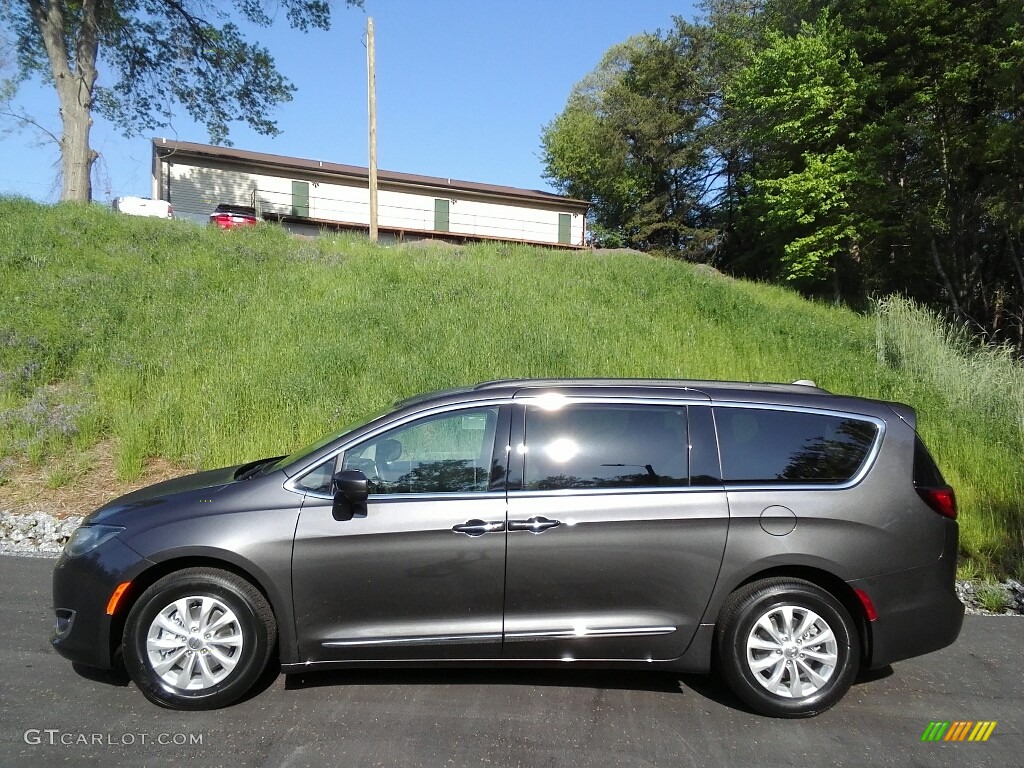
x=82 y=587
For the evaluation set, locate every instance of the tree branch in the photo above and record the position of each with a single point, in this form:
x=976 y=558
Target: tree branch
x=26 y=119
x=199 y=26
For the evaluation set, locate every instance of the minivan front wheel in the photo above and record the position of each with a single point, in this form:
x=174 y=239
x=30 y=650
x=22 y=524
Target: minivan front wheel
x=787 y=648
x=198 y=638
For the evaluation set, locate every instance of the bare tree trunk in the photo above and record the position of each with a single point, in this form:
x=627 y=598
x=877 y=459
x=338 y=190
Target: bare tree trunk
x=1016 y=260
x=76 y=156
x=1019 y=308
x=75 y=79
x=950 y=293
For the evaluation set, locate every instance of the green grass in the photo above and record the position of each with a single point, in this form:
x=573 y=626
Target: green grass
x=61 y=477
x=209 y=348
x=992 y=598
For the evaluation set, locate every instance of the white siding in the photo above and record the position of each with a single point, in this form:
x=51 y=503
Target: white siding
x=197 y=190
x=509 y=221
x=196 y=187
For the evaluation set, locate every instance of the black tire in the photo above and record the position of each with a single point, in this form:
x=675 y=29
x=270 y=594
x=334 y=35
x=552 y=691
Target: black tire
x=789 y=696
x=217 y=668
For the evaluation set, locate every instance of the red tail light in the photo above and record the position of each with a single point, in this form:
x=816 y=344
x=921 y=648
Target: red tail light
x=869 y=606
x=942 y=500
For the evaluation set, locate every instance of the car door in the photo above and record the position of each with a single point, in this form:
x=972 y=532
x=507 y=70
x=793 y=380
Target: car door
x=616 y=530
x=420 y=575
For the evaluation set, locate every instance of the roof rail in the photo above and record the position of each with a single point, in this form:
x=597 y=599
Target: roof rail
x=699 y=384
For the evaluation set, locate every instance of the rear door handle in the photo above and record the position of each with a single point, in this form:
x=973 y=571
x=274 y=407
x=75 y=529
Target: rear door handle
x=478 y=527
x=533 y=525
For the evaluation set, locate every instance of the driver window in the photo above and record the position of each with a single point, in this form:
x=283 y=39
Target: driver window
x=447 y=453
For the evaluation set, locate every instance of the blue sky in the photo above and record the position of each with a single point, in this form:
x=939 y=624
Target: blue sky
x=463 y=90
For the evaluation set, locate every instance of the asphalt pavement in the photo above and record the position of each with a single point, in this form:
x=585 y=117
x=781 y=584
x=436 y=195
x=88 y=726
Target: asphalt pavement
x=51 y=714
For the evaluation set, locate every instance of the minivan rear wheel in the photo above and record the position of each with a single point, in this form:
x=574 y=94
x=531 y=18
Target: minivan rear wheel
x=786 y=647
x=198 y=639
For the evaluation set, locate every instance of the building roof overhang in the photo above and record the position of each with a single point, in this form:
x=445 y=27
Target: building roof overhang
x=167 y=148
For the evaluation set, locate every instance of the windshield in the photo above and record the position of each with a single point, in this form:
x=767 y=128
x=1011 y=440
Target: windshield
x=302 y=453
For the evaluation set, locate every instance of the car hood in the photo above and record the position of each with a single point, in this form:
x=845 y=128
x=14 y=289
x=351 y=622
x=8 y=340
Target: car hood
x=154 y=497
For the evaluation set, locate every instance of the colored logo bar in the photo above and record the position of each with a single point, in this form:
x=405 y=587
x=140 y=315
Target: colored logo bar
x=958 y=730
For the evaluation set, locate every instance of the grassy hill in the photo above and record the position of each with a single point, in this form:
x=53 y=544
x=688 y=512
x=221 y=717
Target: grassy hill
x=207 y=348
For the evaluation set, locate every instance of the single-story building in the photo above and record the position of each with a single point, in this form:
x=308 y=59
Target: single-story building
x=308 y=196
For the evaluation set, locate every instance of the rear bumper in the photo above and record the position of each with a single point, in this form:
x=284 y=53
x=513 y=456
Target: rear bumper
x=918 y=610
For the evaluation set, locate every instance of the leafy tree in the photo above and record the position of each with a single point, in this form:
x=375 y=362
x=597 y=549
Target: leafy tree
x=161 y=52
x=633 y=140
x=797 y=104
x=945 y=80
x=588 y=158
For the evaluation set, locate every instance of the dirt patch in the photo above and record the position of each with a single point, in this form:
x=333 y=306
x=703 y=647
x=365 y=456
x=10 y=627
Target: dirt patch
x=707 y=269
x=619 y=251
x=431 y=243
x=90 y=483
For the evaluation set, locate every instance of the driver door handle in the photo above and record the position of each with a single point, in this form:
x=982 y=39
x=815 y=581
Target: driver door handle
x=533 y=525
x=478 y=527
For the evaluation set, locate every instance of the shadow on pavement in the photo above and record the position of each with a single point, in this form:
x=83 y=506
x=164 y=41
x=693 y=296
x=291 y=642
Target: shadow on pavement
x=871 y=675
x=708 y=686
x=116 y=677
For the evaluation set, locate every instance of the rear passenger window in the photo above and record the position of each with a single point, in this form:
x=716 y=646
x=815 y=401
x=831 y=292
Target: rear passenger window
x=605 y=446
x=768 y=446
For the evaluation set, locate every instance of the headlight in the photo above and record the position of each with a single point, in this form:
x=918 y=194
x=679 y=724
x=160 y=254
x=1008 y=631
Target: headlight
x=88 y=537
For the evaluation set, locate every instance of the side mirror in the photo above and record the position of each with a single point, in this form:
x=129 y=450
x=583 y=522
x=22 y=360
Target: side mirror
x=351 y=489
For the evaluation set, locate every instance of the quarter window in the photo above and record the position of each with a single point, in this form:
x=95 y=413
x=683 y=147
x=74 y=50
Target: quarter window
x=770 y=447
x=318 y=480
x=448 y=453
x=605 y=446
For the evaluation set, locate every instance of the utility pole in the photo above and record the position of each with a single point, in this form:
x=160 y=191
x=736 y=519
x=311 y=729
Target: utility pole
x=371 y=73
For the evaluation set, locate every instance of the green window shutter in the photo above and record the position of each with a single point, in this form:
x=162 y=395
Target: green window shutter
x=564 y=228
x=300 y=198
x=441 y=223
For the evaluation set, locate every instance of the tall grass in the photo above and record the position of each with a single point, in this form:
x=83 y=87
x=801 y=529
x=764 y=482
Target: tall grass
x=976 y=394
x=210 y=348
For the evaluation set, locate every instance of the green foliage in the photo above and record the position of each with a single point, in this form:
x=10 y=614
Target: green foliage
x=632 y=141
x=979 y=438
x=588 y=160
x=797 y=101
x=850 y=147
x=211 y=348
x=800 y=93
x=812 y=206
x=161 y=53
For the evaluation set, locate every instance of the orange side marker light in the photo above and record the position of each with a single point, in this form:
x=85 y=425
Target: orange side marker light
x=114 y=598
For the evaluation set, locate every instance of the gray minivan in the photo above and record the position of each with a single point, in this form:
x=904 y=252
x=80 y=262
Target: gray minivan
x=789 y=536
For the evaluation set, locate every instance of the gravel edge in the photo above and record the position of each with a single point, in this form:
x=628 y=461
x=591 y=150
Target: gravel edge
x=38 y=534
